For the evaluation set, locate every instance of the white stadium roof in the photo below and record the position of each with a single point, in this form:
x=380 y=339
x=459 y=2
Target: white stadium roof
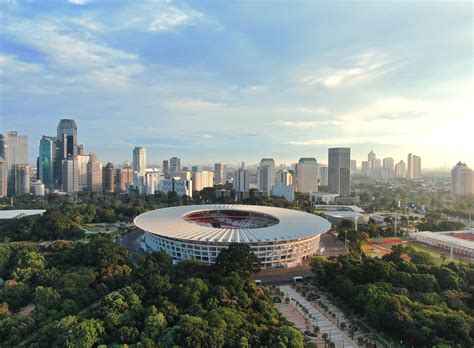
x=19 y=213
x=292 y=224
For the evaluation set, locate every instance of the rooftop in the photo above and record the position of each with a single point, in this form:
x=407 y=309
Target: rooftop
x=231 y=223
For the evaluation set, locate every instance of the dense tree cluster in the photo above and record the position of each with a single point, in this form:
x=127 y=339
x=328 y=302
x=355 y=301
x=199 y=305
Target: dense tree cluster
x=415 y=301
x=76 y=294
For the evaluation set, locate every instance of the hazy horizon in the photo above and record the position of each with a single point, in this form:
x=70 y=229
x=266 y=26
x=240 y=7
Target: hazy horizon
x=227 y=82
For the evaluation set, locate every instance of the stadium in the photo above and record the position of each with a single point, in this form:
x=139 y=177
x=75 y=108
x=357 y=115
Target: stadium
x=281 y=238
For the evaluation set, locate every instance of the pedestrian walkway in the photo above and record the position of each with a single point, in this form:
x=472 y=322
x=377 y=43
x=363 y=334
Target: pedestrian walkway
x=324 y=324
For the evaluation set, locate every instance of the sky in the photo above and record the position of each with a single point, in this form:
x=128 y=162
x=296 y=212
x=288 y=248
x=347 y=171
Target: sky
x=212 y=81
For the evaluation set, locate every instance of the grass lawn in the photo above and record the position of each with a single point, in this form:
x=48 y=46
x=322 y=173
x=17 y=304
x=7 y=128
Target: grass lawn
x=376 y=250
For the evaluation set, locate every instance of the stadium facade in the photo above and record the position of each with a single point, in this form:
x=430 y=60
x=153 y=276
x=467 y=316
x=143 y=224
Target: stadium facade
x=281 y=238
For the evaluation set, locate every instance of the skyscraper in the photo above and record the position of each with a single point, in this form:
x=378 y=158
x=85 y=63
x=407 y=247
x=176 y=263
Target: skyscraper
x=339 y=171
x=413 y=167
x=462 y=180
x=82 y=161
x=70 y=175
x=353 y=167
x=323 y=174
x=14 y=150
x=241 y=180
x=3 y=177
x=365 y=168
x=266 y=175
x=66 y=146
x=219 y=173
x=307 y=175
x=175 y=165
x=388 y=168
x=124 y=177
x=139 y=166
x=165 y=168
x=108 y=178
x=67 y=138
x=284 y=177
x=400 y=169
x=94 y=174
x=202 y=179
x=47 y=154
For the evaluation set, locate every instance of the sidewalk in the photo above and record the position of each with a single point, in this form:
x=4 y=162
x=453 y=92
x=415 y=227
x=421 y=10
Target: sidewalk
x=325 y=325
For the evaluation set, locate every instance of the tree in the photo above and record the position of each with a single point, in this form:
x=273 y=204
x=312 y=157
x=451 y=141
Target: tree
x=238 y=257
x=16 y=294
x=46 y=297
x=28 y=264
x=289 y=336
x=155 y=323
x=191 y=331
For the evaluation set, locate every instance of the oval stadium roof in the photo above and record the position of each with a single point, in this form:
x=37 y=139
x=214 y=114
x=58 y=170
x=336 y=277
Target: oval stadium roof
x=292 y=225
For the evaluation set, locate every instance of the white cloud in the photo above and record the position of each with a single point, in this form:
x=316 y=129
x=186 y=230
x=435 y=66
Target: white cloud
x=307 y=124
x=191 y=104
x=10 y=64
x=78 y=2
x=75 y=56
x=305 y=110
x=358 y=69
x=158 y=16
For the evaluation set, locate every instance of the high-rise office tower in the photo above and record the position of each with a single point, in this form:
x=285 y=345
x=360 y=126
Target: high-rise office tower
x=266 y=175
x=371 y=156
x=70 y=175
x=46 y=158
x=307 y=175
x=284 y=177
x=108 y=178
x=219 y=173
x=339 y=170
x=413 y=167
x=139 y=166
x=14 y=150
x=353 y=167
x=175 y=165
x=241 y=181
x=365 y=168
x=124 y=177
x=67 y=138
x=94 y=174
x=462 y=180
x=323 y=175
x=165 y=168
x=82 y=161
x=66 y=146
x=3 y=177
x=400 y=169
x=388 y=168
x=202 y=179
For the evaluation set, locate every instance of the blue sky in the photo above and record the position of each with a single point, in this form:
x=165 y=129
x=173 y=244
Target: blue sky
x=230 y=81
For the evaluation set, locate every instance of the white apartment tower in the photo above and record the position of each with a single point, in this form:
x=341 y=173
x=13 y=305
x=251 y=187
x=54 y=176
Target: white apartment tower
x=462 y=180
x=266 y=175
x=202 y=179
x=139 y=166
x=307 y=175
x=400 y=169
x=413 y=167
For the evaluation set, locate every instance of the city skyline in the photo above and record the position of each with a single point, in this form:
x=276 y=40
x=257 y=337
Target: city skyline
x=210 y=80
